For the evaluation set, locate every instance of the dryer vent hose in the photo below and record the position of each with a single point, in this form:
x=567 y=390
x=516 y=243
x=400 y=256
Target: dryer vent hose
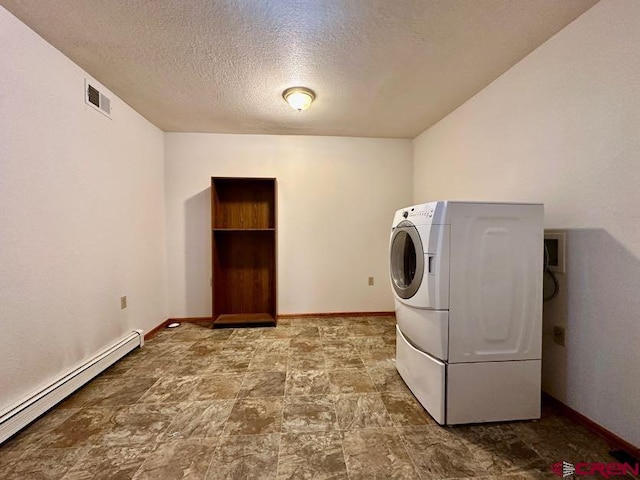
x=547 y=271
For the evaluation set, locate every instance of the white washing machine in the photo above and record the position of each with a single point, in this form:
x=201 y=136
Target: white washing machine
x=467 y=281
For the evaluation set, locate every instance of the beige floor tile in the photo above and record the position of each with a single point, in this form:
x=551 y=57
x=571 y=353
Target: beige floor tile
x=42 y=464
x=309 y=413
x=315 y=455
x=439 y=454
x=138 y=424
x=110 y=392
x=170 y=389
x=246 y=335
x=405 y=410
x=250 y=457
x=283 y=330
x=188 y=366
x=272 y=362
x=85 y=427
x=107 y=463
x=263 y=384
x=304 y=345
x=500 y=450
x=229 y=363
x=341 y=359
x=238 y=346
x=313 y=360
x=361 y=410
x=274 y=346
x=305 y=331
x=377 y=453
x=353 y=380
x=35 y=434
x=216 y=387
x=385 y=377
x=255 y=416
x=198 y=420
x=334 y=332
x=307 y=382
x=204 y=348
x=183 y=459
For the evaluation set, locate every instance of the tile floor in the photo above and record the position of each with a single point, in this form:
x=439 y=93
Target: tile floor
x=309 y=399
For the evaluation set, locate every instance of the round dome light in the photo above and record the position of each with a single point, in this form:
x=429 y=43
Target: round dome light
x=299 y=98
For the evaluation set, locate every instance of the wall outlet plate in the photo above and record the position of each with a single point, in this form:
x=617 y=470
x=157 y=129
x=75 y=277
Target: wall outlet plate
x=558 y=335
x=123 y=302
x=370 y=281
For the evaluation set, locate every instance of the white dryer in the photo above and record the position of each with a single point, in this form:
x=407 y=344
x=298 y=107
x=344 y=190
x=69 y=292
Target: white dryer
x=467 y=281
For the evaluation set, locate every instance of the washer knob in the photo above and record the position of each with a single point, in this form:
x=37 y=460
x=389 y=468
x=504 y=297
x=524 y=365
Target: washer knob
x=405 y=214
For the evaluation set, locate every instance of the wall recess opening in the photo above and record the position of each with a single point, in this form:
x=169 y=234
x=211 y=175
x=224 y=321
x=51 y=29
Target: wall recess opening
x=554 y=243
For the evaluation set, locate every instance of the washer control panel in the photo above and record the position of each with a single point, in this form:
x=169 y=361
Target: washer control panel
x=419 y=211
x=421 y=214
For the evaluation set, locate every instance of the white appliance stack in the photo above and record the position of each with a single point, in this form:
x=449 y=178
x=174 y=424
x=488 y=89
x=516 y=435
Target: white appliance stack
x=467 y=281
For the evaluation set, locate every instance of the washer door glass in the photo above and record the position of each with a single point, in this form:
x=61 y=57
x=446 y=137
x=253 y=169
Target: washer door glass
x=407 y=260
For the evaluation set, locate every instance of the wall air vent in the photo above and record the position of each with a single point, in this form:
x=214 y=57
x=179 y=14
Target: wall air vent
x=94 y=98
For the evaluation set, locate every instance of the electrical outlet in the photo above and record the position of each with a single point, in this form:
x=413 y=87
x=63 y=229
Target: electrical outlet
x=370 y=281
x=558 y=335
x=123 y=302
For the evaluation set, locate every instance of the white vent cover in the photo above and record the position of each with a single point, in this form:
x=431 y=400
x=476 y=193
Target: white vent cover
x=96 y=99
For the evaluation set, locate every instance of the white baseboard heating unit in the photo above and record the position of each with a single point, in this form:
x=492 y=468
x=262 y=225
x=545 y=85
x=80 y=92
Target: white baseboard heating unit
x=28 y=410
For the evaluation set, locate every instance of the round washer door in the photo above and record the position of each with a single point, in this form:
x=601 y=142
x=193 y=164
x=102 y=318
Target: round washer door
x=407 y=260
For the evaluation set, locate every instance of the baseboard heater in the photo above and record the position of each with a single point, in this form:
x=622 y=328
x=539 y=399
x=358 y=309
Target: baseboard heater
x=28 y=410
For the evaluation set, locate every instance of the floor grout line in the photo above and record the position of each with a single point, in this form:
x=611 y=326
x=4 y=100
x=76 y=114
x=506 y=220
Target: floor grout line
x=344 y=454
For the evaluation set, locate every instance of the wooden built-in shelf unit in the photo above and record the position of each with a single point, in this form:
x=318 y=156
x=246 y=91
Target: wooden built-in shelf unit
x=243 y=241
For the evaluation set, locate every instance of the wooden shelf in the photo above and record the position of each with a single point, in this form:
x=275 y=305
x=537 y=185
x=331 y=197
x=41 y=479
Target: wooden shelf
x=244 y=244
x=244 y=230
x=243 y=203
x=244 y=320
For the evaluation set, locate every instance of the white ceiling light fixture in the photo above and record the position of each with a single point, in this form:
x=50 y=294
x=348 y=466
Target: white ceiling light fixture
x=299 y=98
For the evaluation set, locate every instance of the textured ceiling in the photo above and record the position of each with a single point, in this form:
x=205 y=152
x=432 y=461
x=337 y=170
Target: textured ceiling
x=380 y=68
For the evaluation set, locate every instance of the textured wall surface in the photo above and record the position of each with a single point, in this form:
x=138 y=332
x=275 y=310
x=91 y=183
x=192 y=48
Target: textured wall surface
x=81 y=217
x=561 y=127
x=379 y=68
x=336 y=200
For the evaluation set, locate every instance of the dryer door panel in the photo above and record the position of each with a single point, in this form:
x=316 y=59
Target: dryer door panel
x=429 y=287
x=496 y=285
x=406 y=260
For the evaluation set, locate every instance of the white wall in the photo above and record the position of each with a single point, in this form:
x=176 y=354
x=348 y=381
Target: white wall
x=336 y=199
x=562 y=127
x=81 y=217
